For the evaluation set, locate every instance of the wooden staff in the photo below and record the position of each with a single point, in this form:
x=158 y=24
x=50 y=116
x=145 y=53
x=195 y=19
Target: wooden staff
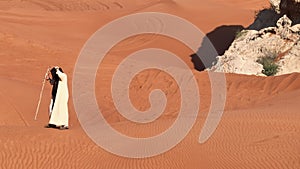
x=41 y=94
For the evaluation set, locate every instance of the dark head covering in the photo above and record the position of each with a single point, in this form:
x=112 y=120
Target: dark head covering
x=55 y=77
x=54 y=82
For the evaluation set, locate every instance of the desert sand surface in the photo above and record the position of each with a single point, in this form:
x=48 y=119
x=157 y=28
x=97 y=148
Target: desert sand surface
x=259 y=129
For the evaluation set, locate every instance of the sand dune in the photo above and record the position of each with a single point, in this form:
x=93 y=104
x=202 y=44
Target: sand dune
x=259 y=129
x=267 y=136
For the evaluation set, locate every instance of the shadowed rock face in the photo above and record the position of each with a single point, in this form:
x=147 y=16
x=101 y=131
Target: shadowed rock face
x=265 y=18
x=291 y=8
x=268 y=17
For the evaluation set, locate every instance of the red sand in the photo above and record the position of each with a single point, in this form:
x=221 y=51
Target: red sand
x=259 y=129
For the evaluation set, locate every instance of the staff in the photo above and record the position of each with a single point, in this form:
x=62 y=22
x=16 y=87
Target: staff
x=41 y=94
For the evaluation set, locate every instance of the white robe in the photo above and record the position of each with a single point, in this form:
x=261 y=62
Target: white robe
x=60 y=114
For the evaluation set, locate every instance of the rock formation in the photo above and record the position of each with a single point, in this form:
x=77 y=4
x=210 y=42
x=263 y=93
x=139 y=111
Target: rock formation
x=280 y=44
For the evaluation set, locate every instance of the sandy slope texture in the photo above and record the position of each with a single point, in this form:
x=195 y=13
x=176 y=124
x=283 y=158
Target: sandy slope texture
x=259 y=129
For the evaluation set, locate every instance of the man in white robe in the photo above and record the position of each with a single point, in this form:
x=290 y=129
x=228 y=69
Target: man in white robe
x=60 y=116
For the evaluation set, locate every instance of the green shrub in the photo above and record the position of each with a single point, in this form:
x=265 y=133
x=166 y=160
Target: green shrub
x=240 y=33
x=269 y=65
